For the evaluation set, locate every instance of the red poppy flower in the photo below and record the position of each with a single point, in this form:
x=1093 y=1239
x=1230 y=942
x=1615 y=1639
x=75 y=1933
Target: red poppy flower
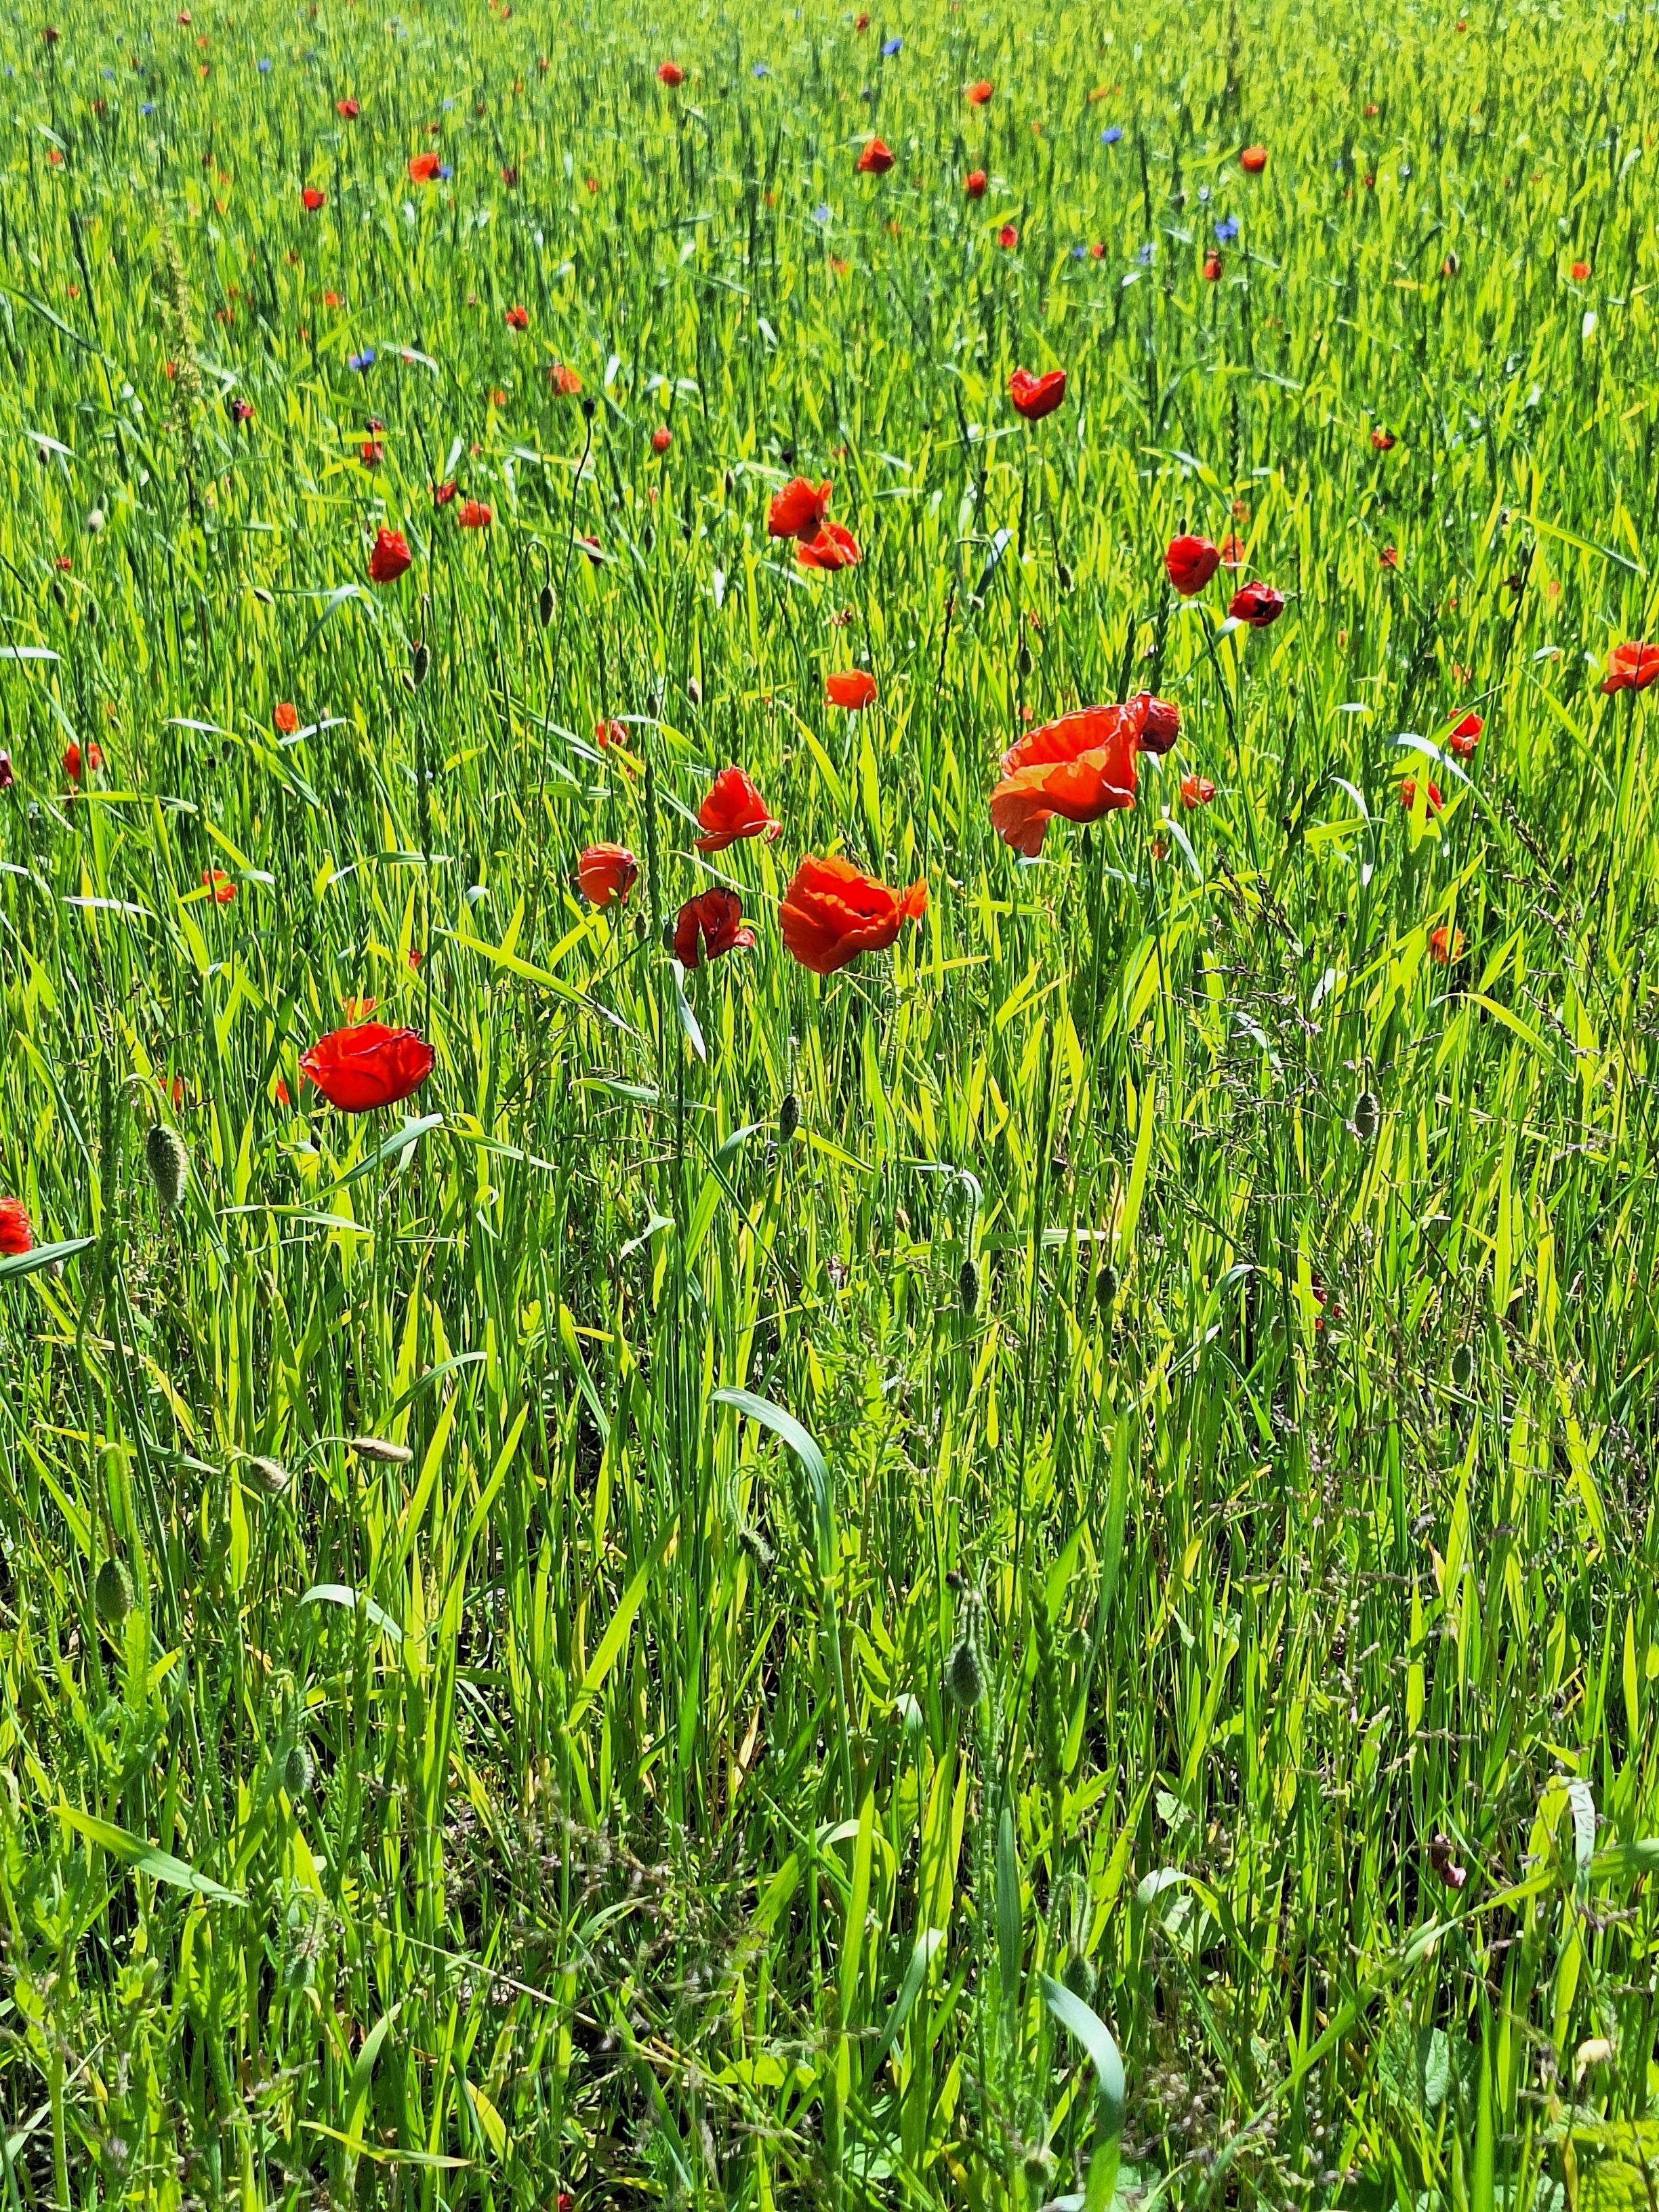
x=390 y=557
x=1191 y=563
x=1158 y=723
x=371 y=453
x=565 y=381
x=348 y=109
x=609 y=733
x=358 y=1069
x=661 y=438
x=1252 y=161
x=1408 y=795
x=358 y=1008
x=1466 y=736
x=797 y=511
x=423 y=168
x=606 y=873
x=709 y=924
x=1232 y=554
x=332 y=299
x=977 y=94
x=876 y=159
x=1631 y=668
x=442 y=494
x=1446 y=945
x=1007 y=237
x=216 y=881
x=1033 y=396
x=671 y=73
x=311 y=199
x=1258 y=605
x=1081 y=767
x=833 y=548
x=733 y=809
x=832 y=912
x=509 y=176
x=861 y=23
x=1580 y=273
x=241 y=411
x=75 y=760
x=7 y=774
x=475 y=516
x=1196 y=791
x=518 y=319
x=1383 y=440
x=286 y=716
x=1389 y=556
x=17 y=1235
x=1211 y=268
x=852 y=688
x=974 y=183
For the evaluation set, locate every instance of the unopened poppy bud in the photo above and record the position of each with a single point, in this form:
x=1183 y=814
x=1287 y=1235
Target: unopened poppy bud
x=694 y=690
x=269 y=1475
x=1106 y=1287
x=1063 y=576
x=968 y=1288
x=1025 y=659
x=169 y=1163
x=964 y=1676
x=1462 y=1366
x=111 y=1593
x=789 y=1117
x=298 y=1772
x=1078 y=1976
x=420 y=661
x=1038 y=2166
x=544 y=605
x=1367 y=1116
x=587 y=408
x=382 y=1451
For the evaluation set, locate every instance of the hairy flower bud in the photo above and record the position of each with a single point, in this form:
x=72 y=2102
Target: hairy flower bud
x=111 y=1593
x=169 y=1163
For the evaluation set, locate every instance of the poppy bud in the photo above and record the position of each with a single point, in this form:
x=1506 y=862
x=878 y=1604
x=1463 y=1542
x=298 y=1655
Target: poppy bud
x=269 y=1475
x=420 y=659
x=964 y=1678
x=1106 y=1287
x=587 y=408
x=544 y=605
x=968 y=1288
x=1367 y=1116
x=789 y=1117
x=298 y=1772
x=1025 y=659
x=169 y=1163
x=111 y=1593
x=382 y=1451
x=1038 y=2166
x=1462 y=1366
x=1063 y=576
x=1078 y=1976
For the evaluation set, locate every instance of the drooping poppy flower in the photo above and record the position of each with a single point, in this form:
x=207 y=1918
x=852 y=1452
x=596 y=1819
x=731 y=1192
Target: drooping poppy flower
x=733 y=809
x=709 y=924
x=1466 y=736
x=1196 y=791
x=359 y=1068
x=1008 y=237
x=797 y=511
x=1258 y=605
x=833 y=548
x=1191 y=563
x=832 y=912
x=1080 y=767
x=661 y=438
x=1389 y=558
x=1383 y=440
x=1158 y=723
x=671 y=73
x=1232 y=554
x=852 y=688
x=17 y=1232
x=604 y=873
x=1408 y=795
x=475 y=516
x=1440 y=1847
x=443 y=493
x=565 y=381
x=1446 y=945
x=876 y=159
x=518 y=319
x=423 y=168
x=975 y=183
x=311 y=199
x=1033 y=396
x=75 y=761
x=977 y=94
x=1631 y=668
x=1211 y=268
x=349 y=110
x=1252 y=161
x=390 y=557
x=219 y=885
x=607 y=732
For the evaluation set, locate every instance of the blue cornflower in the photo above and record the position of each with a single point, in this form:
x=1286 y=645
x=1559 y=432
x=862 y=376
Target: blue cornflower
x=820 y=213
x=361 y=361
x=1226 y=230
x=760 y=70
x=265 y=68
x=1079 y=253
x=1145 y=254
x=891 y=48
x=1111 y=134
x=445 y=171
x=148 y=107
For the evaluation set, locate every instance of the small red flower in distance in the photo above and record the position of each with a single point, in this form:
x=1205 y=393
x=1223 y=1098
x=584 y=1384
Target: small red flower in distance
x=1008 y=237
x=1370 y=109
x=1252 y=161
x=1211 y=268
x=1232 y=554
x=1389 y=556
x=609 y=733
x=661 y=438
x=1097 y=252
x=1383 y=440
x=861 y=23
x=1258 y=605
x=797 y=511
x=518 y=319
x=360 y=1068
x=390 y=557
x=670 y=73
x=1408 y=796
x=423 y=168
x=1631 y=668
x=1580 y=273
x=604 y=873
x=332 y=299
x=348 y=109
x=1196 y=791
x=1033 y=396
x=17 y=1235
x=73 y=761
x=475 y=516
x=733 y=809
x=7 y=774
x=218 y=883
x=833 y=548
x=709 y=924
x=977 y=94
x=565 y=381
x=852 y=688
x=1446 y=945
x=832 y=912
x=1191 y=563
x=509 y=176
x=62 y=561
x=286 y=716
x=242 y=410
x=371 y=453
x=52 y=35
x=974 y=183
x=1466 y=736
x=442 y=494
x=876 y=159
x=311 y=199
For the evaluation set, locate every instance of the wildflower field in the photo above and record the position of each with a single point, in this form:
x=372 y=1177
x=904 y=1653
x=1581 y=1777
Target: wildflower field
x=827 y=1106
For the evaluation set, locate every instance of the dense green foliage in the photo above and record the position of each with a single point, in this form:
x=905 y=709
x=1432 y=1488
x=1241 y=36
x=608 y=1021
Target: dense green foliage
x=1185 y=1560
